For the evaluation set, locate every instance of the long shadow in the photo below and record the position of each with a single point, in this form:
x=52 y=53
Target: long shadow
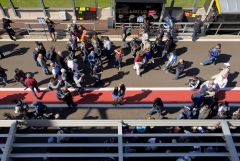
x=44 y=81
x=181 y=50
x=17 y=52
x=191 y=72
x=223 y=58
x=115 y=77
x=156 y=65
x=138 y=97
x=12 y=97
x=231 y=78
x=8 y=47
x=90 y=98
x=65 y=112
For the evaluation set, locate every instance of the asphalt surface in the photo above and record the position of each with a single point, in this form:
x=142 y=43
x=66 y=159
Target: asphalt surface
x=19 y=55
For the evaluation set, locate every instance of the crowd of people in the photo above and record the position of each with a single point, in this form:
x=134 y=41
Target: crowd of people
x=64 y=71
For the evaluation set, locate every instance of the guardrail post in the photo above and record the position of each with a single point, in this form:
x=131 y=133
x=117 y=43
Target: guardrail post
x=43 y=7
x=195 y=6
x=120 y=142
x=74 y=8
x=2 y=10
x=229 y=141
x=13 y=8
x=162 y=12
x=9 y=142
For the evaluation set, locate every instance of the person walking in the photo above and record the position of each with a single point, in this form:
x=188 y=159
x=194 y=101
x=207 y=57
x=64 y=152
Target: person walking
x=55 y=69
x=60 y=60
x=121 y=93
x=31 y=83
x=7 y=27
x=42 y=62
x=138 y=62
x=197 y=28
x=79 y=81
x=118 y=58
x=20 y=76
x=51 y=29
x=115 y=96
x=97 y=73
x=213 y=55
x=107 y=45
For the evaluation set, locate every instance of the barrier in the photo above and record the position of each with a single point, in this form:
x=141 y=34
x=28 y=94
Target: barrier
x=227 y=140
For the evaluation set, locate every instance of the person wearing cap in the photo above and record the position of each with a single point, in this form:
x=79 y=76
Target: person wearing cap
x=213 y=55
x=31 y=83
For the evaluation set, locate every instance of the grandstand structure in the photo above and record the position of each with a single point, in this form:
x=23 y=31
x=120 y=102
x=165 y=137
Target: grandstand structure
x=19 y=142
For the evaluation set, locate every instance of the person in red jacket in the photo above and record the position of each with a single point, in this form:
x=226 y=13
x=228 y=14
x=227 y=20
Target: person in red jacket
x=31 y=83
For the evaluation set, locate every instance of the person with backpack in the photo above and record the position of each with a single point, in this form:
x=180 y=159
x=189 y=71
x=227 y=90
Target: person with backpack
x=158 y=107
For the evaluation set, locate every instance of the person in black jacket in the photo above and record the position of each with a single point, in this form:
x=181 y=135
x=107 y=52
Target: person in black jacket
x=169 y=46
x=7 y=27
x=197 y=28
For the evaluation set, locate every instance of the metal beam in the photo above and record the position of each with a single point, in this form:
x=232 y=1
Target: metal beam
x=43 y=7
x=9 y=142
x=229 y=141
x=74 y=8
x=210 y=7
x=162 y=12
x=195 y=3
x=120 y=142
x=2 y=10
x=13 y=8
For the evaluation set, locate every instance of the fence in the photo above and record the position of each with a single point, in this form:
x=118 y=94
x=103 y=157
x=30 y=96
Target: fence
x=22 y=143
x=187 y=27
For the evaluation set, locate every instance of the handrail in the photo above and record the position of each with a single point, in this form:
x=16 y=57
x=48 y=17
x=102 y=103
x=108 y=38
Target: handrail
x=119 y=144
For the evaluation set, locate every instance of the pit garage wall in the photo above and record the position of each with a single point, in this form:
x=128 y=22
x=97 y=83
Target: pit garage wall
x=32 y=14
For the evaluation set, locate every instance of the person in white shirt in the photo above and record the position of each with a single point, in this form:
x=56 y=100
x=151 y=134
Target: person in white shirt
x=221 y=79
x=171 y=61
x=107 y=44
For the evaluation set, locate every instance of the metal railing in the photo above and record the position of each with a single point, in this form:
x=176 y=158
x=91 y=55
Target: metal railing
x=22 y=143
x=187 y=27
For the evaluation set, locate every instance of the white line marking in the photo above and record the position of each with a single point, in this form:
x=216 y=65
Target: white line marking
x=119 y=39
x=168 y=105
x=128 y=89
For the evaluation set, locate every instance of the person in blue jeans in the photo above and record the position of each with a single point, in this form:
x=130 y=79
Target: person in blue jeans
x=213 y=55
